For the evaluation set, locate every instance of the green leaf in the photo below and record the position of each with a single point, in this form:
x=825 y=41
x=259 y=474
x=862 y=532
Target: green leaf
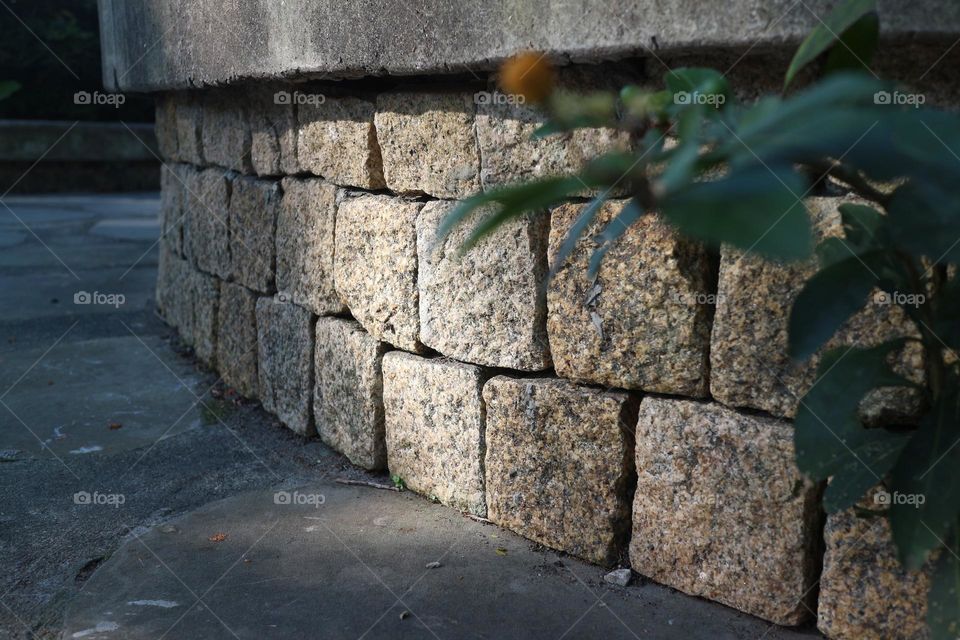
x=856 y=47
x=863 y=227
x=872 y=456
x=925 y=219
x=8 y=88
x=845 y=16
x=927 y=470
x=827 y=429
x=943 y=605
x=630 y=213
x=510 y=202
x=576 y=230
x=755 y=209
x=829 y=298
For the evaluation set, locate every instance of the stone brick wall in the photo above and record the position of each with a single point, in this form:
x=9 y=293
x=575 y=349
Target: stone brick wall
x=639 y=418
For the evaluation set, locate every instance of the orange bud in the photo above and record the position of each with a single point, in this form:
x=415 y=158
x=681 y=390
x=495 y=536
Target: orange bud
x=528 y=74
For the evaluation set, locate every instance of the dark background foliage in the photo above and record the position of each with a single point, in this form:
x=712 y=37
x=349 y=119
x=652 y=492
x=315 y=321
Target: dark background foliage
x=71 y=31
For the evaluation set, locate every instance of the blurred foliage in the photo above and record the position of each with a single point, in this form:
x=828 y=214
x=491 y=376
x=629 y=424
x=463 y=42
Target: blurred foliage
x=736 y=173
x=64 y=41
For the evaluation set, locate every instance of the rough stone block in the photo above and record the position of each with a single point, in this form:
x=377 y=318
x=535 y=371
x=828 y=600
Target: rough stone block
x=486 y=307
x=754 y=298
x=721 y=511
x=173 y=195
x=208 y=223
x=427 y=143
x=189 y=119
x=171 y=273
x=865 y=594
x=273 y=133
x=348 y=400
x=305 y=241
x=226 y=130
x=166 y=127
x=337 y=140
x=434 y=428
x=642 y=323
x=189 y=300
x=254 y=206
x=285 y=362
x=375 y=266
x=509 y=155
x=237 y=338
x=559 y=464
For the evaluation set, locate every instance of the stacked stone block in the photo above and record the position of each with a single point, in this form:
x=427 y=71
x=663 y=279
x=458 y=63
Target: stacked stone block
x=644 y=321
x=348 y=398
x=299 y=248
x=435 y=428
x=559 y=464
x=721 y=511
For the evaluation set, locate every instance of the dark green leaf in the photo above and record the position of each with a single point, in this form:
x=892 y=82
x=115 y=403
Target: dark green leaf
x=872 y=456
x=827 y=431
x=826 y=34
x=573 y=235
x=630 y=213
x=926 y=475
x=943 y=606
x=863 y=227
x=829 y=298
x=8 y=88
x=755 y=209
x=507 y=203
x=856 y=47
x=925 y=219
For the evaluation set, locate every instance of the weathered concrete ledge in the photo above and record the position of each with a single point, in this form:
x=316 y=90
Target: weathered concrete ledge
x=176 y=44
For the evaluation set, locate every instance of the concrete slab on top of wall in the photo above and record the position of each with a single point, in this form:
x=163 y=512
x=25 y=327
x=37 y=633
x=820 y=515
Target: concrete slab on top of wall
x=173 y=44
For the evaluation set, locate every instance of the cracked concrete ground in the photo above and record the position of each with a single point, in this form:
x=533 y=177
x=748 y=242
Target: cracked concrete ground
x=140 y=499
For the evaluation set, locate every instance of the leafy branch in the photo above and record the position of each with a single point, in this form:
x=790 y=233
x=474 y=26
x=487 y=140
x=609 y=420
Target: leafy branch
x=726 y=172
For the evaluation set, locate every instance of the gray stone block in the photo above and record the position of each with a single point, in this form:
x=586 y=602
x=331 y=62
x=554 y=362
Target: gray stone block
x=226 y=130
x=337 y=140
x=189 y=119
x=305 y=245
x=166 y=127
x=237 y=338
x=434 y=428
x=348 y=400
x=285 y=362
x=559 y=464
x=864 y=591
x=254 y=206
x=428 y=144
x=208 y=222
x=486 y=307
x=754 y=299
x=642 y=324
x=273 y=132
x=375 y=266
x=721 y=510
